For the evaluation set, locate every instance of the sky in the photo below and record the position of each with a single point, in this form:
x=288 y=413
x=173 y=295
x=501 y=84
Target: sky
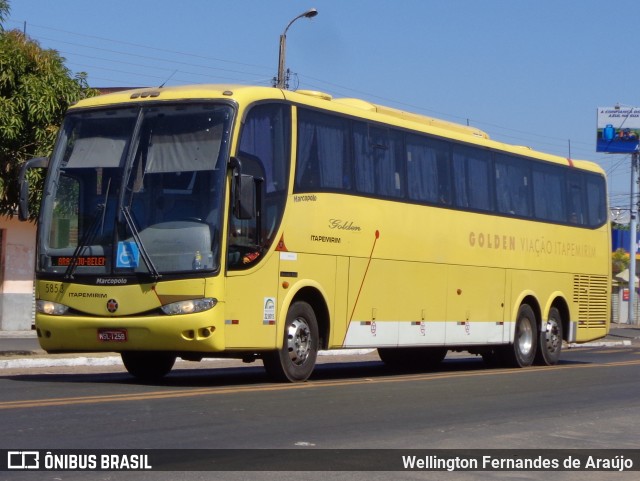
x=526 y=72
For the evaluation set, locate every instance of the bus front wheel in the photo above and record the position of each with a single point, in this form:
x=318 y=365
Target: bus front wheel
x=148 y=366
x=550 y=340
x=295 y=361
x=523 y=350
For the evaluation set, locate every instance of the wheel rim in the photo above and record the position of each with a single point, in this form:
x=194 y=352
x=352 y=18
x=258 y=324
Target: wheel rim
x=552 y=337
x=299 y=341
x=525 y=336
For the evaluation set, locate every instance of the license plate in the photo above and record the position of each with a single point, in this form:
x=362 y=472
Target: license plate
x=112 y=335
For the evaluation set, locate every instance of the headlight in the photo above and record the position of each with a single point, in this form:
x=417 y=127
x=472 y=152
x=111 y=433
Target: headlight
x=189 y=307
x=51 y=308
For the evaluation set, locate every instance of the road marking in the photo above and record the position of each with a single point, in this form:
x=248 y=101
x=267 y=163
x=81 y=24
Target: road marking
x=110 y=398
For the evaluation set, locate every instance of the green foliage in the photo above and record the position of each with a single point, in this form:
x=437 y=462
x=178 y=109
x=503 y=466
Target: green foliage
x=4 y=12
x=619 y=261
x=35 y=91
x=616 y=226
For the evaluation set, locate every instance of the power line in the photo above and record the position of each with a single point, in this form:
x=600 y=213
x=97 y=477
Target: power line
x=252 y=73
x=169 y=65
x=148 y=47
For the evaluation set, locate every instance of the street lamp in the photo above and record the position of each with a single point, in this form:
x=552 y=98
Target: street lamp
x=280 y=81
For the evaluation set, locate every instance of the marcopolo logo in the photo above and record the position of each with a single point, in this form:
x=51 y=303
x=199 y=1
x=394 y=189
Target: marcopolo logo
x=23 y=460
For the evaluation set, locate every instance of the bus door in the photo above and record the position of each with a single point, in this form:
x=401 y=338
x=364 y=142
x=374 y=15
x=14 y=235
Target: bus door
x=251 y=298
x=252 y=265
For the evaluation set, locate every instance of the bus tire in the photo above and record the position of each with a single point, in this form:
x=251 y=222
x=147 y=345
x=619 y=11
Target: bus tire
x=297 y=358
x=148 y=366
x=550 y=340
x=523 y=350
x=412 y=357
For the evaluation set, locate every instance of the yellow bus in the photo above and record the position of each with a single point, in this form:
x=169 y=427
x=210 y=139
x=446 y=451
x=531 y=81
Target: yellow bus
x=258 y=223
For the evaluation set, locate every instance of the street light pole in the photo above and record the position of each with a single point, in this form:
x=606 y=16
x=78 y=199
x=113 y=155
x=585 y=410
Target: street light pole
x=281 y=82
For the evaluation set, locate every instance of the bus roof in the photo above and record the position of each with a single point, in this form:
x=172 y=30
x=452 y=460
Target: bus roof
x=245 y=95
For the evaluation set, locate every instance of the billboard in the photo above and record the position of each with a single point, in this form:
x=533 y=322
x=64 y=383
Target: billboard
x=618 y=129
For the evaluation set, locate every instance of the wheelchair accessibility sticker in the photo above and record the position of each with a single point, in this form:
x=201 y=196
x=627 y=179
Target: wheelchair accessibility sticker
x=128 y=254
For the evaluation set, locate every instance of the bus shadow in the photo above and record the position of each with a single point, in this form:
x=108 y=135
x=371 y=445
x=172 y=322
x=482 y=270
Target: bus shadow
x=256 y=375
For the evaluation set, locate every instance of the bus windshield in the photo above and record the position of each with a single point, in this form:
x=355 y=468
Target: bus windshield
x=136 y=191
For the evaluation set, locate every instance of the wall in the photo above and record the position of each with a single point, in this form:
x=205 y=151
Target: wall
x=17 y=261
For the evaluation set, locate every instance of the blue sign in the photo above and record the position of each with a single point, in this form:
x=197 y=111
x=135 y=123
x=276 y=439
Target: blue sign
x=128 y=254
x=620 y=239
x=618 y=130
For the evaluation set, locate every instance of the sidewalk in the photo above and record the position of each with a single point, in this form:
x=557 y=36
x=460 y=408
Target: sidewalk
x=623 y=332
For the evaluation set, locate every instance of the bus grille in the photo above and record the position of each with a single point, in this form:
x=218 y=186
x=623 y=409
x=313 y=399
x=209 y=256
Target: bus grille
x=590 y=292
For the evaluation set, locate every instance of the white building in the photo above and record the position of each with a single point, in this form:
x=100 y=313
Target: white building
x=17 y=263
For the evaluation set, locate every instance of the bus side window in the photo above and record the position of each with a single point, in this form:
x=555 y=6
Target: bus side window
x=323 y=161
x=472 y=178
x=549 y=193
x=574 y=202
x=427 y=170
x=596 y=200
x=512 y=186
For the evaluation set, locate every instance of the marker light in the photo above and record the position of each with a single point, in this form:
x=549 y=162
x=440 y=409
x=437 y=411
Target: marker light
x=189 y=307
x=51 y=308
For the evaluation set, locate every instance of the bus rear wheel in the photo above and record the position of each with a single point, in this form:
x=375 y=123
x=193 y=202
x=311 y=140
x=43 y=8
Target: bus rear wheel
x=148 y=366
x=523 y=350
x=550 y=340
x=295 y=361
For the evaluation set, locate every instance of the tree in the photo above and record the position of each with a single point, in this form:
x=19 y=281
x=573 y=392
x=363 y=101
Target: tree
x=35 y=90
x=4 y=12
x=619 y=261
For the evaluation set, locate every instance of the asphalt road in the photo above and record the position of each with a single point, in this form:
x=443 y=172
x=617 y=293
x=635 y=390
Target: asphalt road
x=590 y=400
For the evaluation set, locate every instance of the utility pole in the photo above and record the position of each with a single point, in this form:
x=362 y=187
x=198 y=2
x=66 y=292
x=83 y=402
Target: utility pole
x=618 y=132
x=633 y=247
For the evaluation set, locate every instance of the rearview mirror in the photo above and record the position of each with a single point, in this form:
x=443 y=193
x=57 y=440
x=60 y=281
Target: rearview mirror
x=23 y=182
x=245 y=198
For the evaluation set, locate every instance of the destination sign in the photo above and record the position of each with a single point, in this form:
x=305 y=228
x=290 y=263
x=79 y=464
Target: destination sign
x=80 y=261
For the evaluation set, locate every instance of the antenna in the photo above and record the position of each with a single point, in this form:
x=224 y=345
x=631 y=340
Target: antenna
x=168 y=78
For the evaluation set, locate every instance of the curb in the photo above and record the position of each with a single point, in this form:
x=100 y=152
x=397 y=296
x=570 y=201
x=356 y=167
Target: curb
x=600 y=344
x=30 y=334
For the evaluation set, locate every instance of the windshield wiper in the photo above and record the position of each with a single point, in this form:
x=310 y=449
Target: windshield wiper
x=86 y=241
x=90 y=234
x=126 y=213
